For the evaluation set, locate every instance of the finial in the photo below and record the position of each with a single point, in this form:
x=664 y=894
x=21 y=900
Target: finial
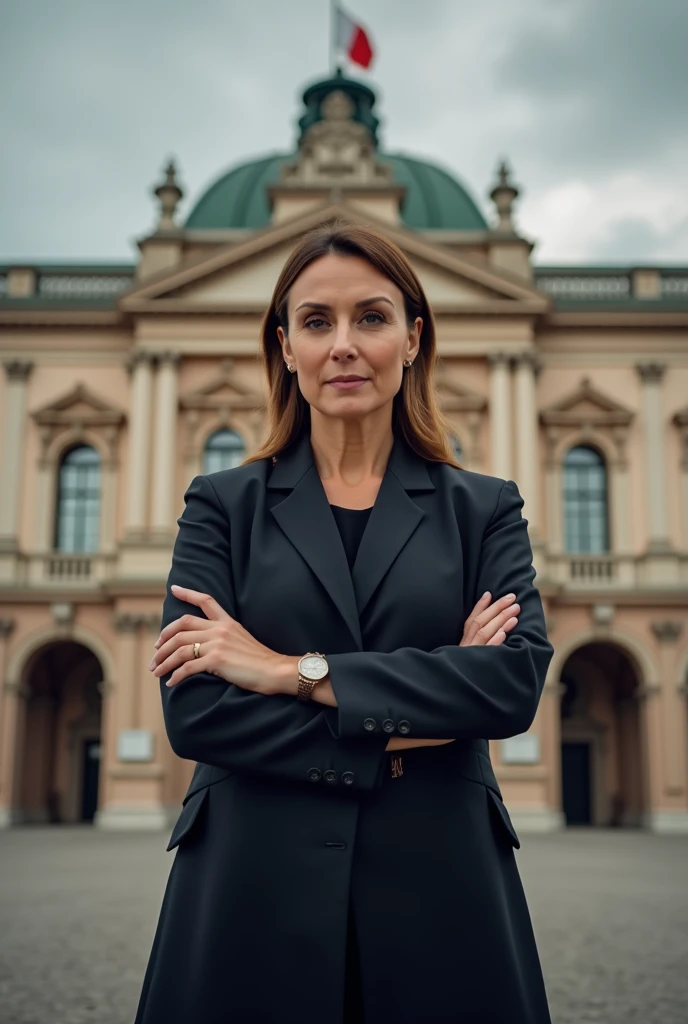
x=503 y=195
x=169 y=194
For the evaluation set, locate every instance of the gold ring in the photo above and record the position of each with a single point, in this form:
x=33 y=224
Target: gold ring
x=197 y=650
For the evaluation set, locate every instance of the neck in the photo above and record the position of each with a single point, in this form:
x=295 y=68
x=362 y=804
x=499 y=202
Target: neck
x=351 y=450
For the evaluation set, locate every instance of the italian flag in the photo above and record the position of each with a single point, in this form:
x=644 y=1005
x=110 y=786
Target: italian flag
x=352 y=39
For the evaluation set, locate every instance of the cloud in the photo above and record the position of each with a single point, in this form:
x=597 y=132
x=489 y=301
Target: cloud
x=627 y=215
x=586 y=99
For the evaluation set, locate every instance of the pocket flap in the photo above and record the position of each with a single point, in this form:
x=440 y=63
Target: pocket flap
x=504 y=818
x=488 y=776
x=187 y=817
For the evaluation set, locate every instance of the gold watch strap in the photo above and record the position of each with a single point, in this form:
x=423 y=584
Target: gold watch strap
x=305 y=687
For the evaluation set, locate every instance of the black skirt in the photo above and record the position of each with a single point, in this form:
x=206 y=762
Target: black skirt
x=353 y=995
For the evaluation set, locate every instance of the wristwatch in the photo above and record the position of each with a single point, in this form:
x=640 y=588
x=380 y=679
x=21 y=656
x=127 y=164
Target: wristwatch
x=312 y=668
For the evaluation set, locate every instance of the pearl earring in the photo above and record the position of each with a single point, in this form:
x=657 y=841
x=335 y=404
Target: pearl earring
x=408 y=362
x=290 y=368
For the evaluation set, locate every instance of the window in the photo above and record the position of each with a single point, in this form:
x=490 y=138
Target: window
x=223 y=450
x=78 y=501
x=585 y=501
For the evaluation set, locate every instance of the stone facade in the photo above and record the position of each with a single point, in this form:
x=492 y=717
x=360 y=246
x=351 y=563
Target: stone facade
x=121 y=383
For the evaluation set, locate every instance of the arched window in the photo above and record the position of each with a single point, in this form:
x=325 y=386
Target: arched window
x=223 y=450
x=78 y=501
x=585 y=501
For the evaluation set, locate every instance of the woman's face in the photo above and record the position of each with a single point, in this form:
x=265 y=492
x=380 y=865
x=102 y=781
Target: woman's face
x=348 y=336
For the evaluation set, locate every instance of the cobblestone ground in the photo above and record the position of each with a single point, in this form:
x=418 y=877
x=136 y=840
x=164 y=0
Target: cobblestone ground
x=78 y=909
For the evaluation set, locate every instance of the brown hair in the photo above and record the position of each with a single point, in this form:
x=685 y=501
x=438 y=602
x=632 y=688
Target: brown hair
x=415 y=413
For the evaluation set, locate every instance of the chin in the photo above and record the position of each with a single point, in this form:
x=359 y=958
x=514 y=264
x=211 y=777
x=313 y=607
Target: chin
x=347 y=409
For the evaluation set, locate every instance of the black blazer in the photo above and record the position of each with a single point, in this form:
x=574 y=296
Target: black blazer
x=293 y=814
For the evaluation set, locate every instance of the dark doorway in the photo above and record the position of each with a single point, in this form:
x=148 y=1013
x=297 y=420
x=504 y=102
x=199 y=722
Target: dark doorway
x=89 y=789
x=575 y=783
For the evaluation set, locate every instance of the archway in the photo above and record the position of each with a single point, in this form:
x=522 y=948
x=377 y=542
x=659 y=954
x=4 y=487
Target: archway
x=602 y=771
x=60 y=752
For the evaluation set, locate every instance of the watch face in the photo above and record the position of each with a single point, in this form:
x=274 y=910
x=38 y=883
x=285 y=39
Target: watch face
x=313 y=666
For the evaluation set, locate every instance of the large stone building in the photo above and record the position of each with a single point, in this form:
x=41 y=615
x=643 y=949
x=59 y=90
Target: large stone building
x=122 y=382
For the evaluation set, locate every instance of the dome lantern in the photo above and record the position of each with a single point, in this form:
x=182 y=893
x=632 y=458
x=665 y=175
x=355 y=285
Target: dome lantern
x=339 y=158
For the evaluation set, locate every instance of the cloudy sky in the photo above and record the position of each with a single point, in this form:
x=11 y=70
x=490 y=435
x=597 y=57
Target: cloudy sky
x=586 y=99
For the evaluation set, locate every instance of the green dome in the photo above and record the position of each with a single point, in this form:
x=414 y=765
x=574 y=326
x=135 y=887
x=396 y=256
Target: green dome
x=434 y=199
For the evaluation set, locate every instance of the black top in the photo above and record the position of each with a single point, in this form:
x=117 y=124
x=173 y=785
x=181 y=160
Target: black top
x=351 y=522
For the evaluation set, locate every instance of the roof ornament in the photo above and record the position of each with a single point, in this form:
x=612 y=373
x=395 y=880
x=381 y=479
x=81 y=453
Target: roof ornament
x=503 y=195
x=169 y=193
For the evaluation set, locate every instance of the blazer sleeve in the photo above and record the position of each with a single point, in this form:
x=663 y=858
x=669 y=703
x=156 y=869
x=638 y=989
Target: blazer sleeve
x=210 y=720
x=451 y=691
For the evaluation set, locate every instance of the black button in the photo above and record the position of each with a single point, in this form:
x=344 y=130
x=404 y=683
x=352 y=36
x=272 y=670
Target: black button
x=330 y=775
x=388 y=725
x=347 y=778
x=404 y=726
x=314 y=774
x=369 y=724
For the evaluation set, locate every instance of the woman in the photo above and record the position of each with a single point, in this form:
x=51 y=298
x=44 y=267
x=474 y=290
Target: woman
x=350 y=617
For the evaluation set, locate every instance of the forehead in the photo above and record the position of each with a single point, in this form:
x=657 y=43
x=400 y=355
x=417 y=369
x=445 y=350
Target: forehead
x=334 y=276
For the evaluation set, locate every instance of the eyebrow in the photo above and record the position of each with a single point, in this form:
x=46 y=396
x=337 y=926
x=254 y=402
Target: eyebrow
x=363 y=302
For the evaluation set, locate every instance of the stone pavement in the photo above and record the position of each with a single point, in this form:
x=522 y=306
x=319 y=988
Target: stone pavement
x=78 y=909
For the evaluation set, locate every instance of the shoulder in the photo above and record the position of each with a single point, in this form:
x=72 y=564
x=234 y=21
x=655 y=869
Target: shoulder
x=481 y=491
x=232 y=486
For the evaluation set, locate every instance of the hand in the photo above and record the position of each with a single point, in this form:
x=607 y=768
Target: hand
x=227 y=649
x=488 y=624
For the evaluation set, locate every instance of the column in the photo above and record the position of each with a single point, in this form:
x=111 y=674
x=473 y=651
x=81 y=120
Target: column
x=139 y=442
x=13 y=434
x=651 y=375
x=500 y=415
x=527 y=453
x=672 y=814
x=164 y=461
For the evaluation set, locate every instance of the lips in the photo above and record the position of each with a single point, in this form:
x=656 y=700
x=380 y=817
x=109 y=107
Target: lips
x=347 y=383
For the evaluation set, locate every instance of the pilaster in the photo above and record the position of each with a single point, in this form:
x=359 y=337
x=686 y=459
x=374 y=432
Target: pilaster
x=673 y=798
x=660 y=563
x=500 y=415
x=12 y=697
x=12 y=440
x=164 y=447
x=134 y=790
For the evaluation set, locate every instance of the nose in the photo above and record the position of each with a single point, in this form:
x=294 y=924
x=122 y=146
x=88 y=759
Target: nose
x=343 y=341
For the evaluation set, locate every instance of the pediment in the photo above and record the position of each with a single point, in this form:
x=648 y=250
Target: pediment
x=587 y=404
x=242 y=276
x=222 y=391
x=79 y=405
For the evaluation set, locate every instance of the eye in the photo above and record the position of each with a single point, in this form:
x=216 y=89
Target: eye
x=314 y=321
x=379 y=319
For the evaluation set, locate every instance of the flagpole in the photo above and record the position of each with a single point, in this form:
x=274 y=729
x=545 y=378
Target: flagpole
x=333 y=36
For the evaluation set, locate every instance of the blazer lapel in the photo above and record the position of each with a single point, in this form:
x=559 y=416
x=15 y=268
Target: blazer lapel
x=306 y=519
x=392 y=521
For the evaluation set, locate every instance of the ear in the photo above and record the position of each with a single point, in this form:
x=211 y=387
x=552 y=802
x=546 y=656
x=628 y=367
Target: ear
x=286 y=347
x=413 y=344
